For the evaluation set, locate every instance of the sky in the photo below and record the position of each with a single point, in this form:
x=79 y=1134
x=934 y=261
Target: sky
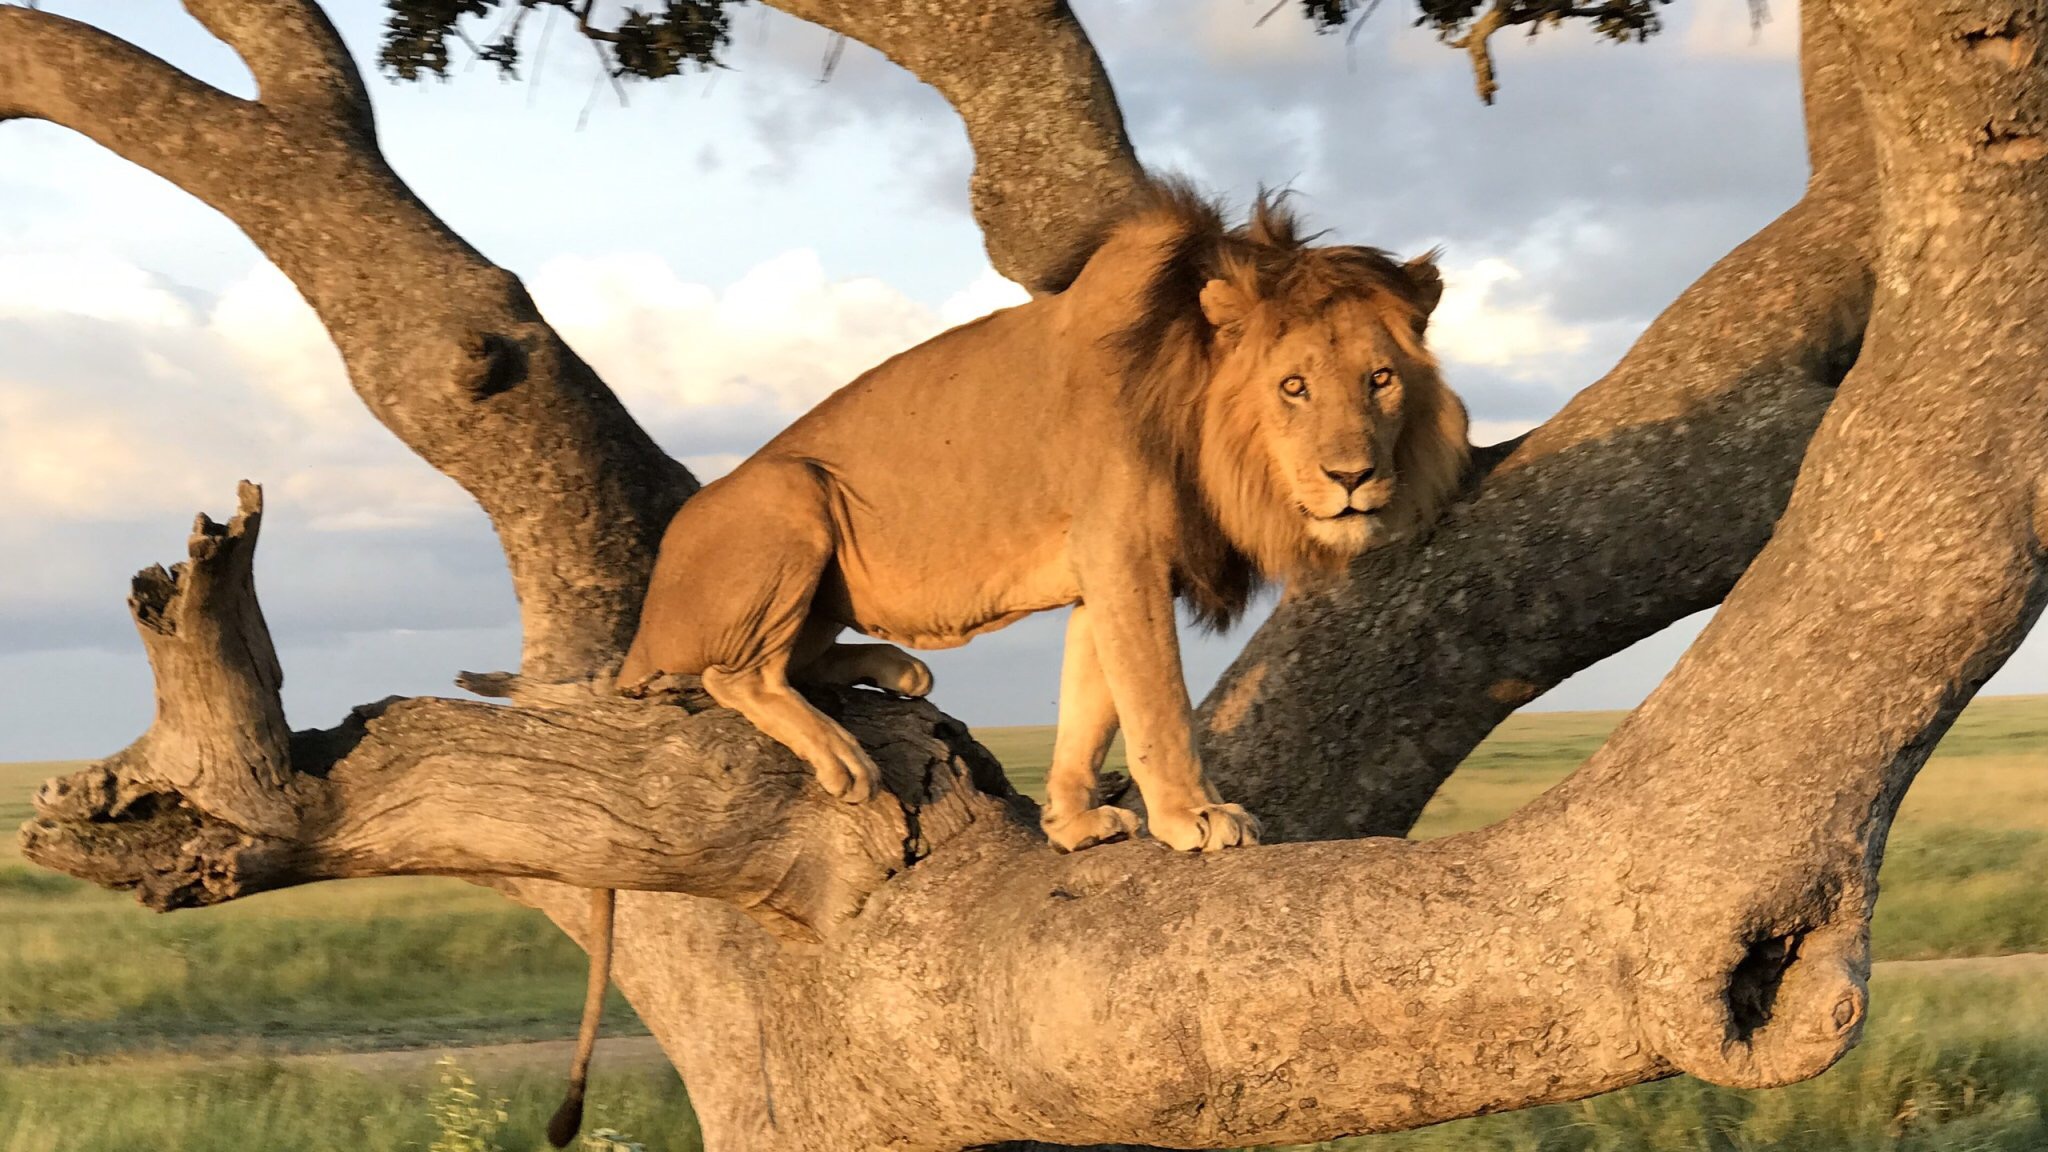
x=728 y=248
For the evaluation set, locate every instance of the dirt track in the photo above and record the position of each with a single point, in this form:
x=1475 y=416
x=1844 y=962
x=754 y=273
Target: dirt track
x=614 y=1051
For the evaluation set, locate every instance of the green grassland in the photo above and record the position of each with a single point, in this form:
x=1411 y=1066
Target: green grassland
x=1955 y=1060
x=365 y=964
x=121 y=1029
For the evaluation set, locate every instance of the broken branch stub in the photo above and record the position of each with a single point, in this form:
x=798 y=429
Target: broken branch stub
x=219 y=738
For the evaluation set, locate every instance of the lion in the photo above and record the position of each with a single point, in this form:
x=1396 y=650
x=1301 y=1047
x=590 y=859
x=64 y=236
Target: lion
x=1205 y=409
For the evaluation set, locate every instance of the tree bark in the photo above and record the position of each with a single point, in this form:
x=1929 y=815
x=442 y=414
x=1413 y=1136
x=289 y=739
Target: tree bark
x=1051 y=158
x=218 y=801
x=922 y=973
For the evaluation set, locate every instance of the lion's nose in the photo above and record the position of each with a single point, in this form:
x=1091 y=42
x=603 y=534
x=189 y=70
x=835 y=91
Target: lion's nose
x=1350 y=480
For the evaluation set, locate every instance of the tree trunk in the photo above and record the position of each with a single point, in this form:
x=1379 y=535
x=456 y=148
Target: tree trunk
x=922 y=972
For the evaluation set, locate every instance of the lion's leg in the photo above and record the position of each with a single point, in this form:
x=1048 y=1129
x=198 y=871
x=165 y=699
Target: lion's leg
x=1072 y=819
x=738 y=573
x=1130 y=603
x=882 y=665
x=763 y=695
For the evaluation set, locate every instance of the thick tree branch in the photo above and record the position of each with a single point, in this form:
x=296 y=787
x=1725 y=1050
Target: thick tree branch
x=446 y=348
x=1638 y=504
x=924 y=972
x=218 y=800
x=298 y=59
x=70 y=73
x=1051 y=158
x=1044 y=996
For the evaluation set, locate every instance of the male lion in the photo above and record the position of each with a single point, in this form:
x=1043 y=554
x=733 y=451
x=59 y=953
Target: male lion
x=1203 y=409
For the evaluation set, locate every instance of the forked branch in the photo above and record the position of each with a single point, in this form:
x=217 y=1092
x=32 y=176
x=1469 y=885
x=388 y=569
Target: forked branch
x=1642 y=502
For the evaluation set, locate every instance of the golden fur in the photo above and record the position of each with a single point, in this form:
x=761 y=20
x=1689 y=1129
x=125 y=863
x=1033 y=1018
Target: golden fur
x=1205 y=408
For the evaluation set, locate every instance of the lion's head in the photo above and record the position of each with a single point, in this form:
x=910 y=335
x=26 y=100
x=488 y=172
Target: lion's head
x=1290 y=387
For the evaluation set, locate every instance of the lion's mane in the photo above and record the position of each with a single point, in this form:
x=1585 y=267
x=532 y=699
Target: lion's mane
x=1240 y=528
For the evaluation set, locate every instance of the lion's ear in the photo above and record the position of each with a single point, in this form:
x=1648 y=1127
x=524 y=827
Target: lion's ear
x=1425 y=281
x=1223 y=304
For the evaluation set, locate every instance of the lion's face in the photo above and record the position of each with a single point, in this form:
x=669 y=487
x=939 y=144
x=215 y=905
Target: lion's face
x=1351 y=422
x=1331 y=397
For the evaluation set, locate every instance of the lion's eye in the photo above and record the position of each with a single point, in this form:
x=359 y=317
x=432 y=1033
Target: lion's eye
x=1294 y=386
x=1382 y=377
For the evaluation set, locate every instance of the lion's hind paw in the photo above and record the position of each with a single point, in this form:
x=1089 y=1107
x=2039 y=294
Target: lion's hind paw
x=1088 y=827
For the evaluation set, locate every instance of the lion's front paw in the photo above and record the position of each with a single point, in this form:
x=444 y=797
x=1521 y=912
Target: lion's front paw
x=1206 y=828
x=1088 y=827
x=843 y=767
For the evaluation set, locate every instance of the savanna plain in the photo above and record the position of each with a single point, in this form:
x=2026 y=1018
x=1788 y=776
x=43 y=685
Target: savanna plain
x=403 y=1013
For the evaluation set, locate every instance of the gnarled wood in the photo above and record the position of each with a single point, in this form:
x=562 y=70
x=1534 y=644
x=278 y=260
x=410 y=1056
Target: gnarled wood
x=924 y=972
x=218 y=800
x=219 y=735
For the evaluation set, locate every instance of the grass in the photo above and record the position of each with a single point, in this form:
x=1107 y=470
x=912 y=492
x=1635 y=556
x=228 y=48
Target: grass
x=1956 y=1060
x=1026 y=752
x=106 y=1010
x=364 y=964
x=1967 y=862
x=266 y=1105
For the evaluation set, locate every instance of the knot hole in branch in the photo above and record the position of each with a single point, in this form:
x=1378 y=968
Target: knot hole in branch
x=1753 y=986
x=500 y=365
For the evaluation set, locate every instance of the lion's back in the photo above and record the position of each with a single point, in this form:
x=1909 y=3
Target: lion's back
x=955 y=468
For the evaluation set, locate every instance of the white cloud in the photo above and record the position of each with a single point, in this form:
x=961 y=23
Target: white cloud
x=989 y=292
x=283 y=346
x=1232 y=34
x=782 y=337
x=96 y=285
x=1473 y=326
x=60 y=460
x=121 y=399
x=1486 y=432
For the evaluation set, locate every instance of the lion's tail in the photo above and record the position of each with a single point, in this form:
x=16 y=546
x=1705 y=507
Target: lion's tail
x=569 y=1117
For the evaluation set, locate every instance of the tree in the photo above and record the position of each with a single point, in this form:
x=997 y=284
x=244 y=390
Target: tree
x=1839 y=428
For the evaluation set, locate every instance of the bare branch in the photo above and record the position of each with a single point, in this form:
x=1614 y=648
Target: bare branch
x=1590 y=943
x=1476 y=42
x=298 y=59
x=57 y=69
x=1051 y=157
x=218 y=800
